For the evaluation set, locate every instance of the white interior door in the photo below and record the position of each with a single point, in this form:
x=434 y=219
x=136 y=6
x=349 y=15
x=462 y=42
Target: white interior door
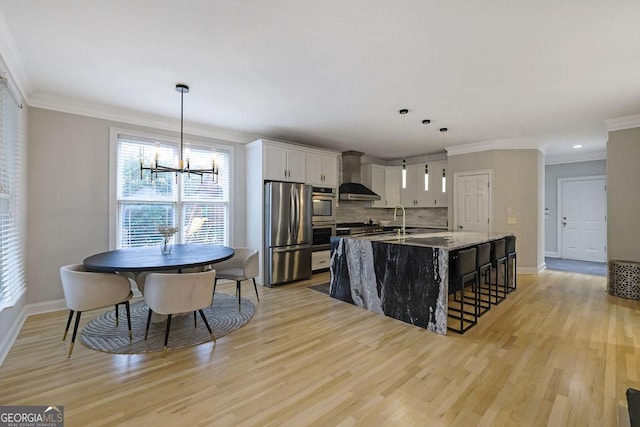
x=472 y=196
x=583 y=224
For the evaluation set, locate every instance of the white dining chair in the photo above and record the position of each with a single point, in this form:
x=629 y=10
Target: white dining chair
x=243 y=265
x=84 y=291
x=172 y=293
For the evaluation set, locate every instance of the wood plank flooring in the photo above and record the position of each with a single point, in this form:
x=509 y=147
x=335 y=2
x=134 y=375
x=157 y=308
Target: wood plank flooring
x=559 y=351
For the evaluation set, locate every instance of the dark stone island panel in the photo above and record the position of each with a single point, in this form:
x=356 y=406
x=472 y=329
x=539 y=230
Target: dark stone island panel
x=405 y=282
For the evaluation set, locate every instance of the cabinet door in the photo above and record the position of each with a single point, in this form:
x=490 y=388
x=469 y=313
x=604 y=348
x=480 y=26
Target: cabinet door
x=275 y=163
x=423 y=196
x=408 y=195
x=314 y=168
x=296 y=165
x=392 y=186
x=329 y=170
x=440 y=194
x=377 y=184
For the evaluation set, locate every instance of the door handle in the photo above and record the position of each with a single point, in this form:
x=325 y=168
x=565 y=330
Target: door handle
x=460 y=227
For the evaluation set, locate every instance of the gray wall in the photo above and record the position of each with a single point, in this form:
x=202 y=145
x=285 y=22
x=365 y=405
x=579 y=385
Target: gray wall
x=518 y=184
x=623 y=195
x=552 y=173
x=68 y=195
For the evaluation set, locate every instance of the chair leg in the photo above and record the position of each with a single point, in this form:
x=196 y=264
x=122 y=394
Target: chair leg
x=256 y=288
x=204 y=319
x=126 y=305
x=148 y=322
x=195 y=322
x=239 y=293
x=75 y=330
x=166 y=336
x=64 y=337
x=215 y=283
x=117 y=319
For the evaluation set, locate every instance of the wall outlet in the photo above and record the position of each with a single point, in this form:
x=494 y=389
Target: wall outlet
x=511 y=220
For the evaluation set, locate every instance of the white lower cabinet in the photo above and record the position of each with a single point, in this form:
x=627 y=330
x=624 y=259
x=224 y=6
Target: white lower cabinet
x=320 y=260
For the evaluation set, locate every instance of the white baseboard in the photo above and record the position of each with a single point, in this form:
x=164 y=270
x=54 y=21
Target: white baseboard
x=7 y=342
x=551 y=254
x=531 y=270
x=45 y=307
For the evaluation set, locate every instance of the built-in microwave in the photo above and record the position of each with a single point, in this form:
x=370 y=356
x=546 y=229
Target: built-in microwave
x=324 y=206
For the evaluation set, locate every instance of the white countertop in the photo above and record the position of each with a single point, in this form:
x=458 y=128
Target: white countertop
x=448 y=240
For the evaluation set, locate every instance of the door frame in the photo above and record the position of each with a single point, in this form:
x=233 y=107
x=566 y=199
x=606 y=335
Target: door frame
x=559 y=204
x=456 y=178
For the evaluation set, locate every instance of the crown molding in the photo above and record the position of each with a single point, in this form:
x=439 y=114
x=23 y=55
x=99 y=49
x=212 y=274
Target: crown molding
x=559 y=159
x=621 y=123
x=501 y=144
x=122 y=115
x=13 y=62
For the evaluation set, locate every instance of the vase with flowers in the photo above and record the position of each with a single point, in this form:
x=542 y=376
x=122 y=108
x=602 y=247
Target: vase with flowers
x=167 y=238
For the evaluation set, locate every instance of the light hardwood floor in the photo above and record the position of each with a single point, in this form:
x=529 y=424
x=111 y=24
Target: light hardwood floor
x=559 y=351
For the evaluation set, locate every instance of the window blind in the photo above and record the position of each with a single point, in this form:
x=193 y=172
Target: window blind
x=12 y=277
x=197 y=206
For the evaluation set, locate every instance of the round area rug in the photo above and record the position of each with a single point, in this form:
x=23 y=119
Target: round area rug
x=223 y=316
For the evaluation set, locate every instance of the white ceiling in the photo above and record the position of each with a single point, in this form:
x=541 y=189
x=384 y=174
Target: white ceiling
x=335 y=73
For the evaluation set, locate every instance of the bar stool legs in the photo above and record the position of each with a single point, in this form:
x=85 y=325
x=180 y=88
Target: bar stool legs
x=464 y=273
x=510 y=249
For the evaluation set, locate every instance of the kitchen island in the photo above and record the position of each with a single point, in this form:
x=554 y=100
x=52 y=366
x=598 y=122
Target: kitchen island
x=404 y=277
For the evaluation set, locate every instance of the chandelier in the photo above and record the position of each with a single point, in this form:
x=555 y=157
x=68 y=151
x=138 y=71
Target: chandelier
x=156 y=168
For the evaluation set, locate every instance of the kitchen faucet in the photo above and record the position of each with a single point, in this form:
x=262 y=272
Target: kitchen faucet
x=403 y=229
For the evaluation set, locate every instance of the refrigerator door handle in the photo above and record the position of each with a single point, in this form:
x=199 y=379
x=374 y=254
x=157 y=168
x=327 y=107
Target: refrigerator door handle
x=291 y=248
x=292 y=208
x=293 y=214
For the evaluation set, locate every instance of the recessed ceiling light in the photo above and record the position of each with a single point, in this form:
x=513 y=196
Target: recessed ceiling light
x=577 y=146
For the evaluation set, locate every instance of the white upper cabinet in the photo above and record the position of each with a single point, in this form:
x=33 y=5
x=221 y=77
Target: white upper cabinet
x=392 y=177
x=384 y=181
x=322 y=169
x=417 y=193
x=414 y=195
x=436 y=190
x=284 y=163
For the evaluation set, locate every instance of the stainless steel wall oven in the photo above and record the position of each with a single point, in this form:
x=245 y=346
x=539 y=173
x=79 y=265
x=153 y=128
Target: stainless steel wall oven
x=324 y=206
x=322 y=233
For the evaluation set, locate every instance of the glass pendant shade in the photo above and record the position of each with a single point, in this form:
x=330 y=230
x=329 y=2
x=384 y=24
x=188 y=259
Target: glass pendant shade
x=426 y=178
x=404 y=174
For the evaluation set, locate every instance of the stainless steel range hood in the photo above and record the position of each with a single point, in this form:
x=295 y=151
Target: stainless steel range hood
x=352 y=189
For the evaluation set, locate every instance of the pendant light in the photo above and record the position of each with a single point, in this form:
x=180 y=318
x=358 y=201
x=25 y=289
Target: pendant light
x=426 y=166
x=156 y=168
x=403 y=113
x=444 y=173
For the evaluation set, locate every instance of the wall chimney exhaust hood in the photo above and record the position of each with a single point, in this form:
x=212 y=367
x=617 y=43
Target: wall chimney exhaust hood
x=352 y=189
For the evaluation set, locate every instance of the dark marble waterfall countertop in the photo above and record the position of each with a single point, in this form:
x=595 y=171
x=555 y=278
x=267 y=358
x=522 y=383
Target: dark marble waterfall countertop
x=447 y=240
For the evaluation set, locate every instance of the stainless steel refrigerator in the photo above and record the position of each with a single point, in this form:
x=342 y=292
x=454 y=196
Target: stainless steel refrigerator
x=288 y=234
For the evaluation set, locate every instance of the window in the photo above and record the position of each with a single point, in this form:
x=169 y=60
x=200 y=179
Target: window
x=198 y=206
x=12 y=278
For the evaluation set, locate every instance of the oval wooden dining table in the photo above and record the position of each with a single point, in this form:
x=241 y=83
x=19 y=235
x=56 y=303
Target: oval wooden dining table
x=150 y=258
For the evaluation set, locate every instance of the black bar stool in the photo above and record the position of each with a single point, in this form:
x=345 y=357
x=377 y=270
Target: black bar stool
x=485 y=289
x=463 y=272
x=510 y=248
x=499 y=256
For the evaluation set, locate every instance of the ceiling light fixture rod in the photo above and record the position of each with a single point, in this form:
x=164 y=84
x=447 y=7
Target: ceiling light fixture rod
x=182 y=88
x=403 y=112
x=444 y=173
x=426 y=166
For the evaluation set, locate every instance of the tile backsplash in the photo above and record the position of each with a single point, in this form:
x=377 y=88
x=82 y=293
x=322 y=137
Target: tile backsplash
x=359 y=211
